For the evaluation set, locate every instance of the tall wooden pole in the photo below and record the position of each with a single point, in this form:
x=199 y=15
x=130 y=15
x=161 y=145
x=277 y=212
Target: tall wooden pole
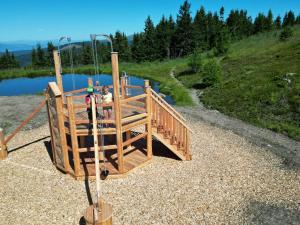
x=96 y=151
x=3 y=150
x=57 y=65
x=117 y=109
x=149 y=118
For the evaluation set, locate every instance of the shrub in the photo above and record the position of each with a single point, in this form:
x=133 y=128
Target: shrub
x=286 y=34
x=211 y=74
x=196 y=61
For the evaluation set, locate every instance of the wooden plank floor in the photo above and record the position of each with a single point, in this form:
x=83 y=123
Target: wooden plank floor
x=134 y=156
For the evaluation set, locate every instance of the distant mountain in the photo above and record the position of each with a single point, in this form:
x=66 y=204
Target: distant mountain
x=20 y=45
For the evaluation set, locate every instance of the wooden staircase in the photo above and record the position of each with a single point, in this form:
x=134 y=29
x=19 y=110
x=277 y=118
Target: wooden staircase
x=169 y=127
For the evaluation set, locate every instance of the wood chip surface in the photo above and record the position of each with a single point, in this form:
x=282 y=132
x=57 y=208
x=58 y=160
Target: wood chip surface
x=229 y=181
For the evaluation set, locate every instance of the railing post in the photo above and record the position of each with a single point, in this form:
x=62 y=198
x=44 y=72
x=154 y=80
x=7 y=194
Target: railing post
x=123 y=90
x=57 y=65
x=74 y=140
x=117 y=109
x=3 y=150
x=149 y=118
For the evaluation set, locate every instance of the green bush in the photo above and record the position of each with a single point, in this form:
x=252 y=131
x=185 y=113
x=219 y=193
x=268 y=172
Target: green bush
x=196 y=61
x=286 y=34
x=211 y=73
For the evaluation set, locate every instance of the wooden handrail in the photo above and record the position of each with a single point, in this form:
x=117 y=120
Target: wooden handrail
x=169 y=111
x=98 y=121
x=168 y=105
x=134 y=86
x=134 y=98
x=38 y=109
x=134 y=117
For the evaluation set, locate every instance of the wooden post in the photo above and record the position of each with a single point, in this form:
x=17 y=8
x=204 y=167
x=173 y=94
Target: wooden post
x=123 y=90
x=3 y=150
x=96 y=151
x=117 y=109
x=73 y=135
x=62 y=131
x=57 y=65
x=149 y=117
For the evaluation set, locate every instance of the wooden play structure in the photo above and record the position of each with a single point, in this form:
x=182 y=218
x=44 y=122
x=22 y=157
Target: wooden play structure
x=125 y=142
x=86 y=147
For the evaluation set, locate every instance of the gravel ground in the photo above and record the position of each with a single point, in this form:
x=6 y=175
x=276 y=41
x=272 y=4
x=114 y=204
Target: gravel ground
x=229 y=181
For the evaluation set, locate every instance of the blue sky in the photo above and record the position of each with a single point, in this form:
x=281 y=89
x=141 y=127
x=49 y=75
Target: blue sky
x=50 y=19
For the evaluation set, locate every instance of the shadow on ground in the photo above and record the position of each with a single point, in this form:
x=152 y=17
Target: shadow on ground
x=261 y=213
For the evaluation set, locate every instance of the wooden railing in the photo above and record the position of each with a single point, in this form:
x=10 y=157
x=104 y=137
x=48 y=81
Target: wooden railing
x=170 y=124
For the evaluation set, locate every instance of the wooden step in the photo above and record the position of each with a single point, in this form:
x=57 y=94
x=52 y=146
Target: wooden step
x=160 y=137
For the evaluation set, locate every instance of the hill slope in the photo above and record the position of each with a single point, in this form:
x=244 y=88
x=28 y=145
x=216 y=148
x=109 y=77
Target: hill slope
x=261 y=83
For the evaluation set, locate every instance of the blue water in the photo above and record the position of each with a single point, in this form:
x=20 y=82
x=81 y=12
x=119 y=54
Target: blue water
x=31 y=86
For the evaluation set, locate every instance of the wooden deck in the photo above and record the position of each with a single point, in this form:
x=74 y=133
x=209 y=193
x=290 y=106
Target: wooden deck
x=135 y=156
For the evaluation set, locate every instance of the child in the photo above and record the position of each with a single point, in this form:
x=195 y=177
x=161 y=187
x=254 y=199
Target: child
x=107 y=98
x=88 y=101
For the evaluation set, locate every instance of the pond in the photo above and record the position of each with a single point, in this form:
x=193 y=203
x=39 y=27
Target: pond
x=36 y=85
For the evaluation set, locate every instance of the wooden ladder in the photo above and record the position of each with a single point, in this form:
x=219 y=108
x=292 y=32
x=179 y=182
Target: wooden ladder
x=169 y=127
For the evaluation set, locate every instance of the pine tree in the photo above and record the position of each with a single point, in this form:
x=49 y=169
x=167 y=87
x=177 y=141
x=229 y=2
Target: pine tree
x=40 y=56
x=200 y=29
x=289 y=19
x=8 y=61
x=33 y=58
x=121 y=46
x=269 y=21
x=222 y=10
x=49 y=56
x=277 y=22
x=184 y=33
x=149 y=40
x=260 y=23
x=86 y=54
x=163 y=37
x=137 y=47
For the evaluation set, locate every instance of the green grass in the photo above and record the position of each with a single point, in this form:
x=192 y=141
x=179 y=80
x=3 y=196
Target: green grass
x=254 y=84
x=156 y=71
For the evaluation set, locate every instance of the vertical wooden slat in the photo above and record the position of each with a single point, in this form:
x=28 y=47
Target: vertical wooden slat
x=117 y=110
x=123 y=91
x=50 y=125
x=3 y=150
x=57 y=65
x=149 y=116
x=62 y=131
x=73 y=135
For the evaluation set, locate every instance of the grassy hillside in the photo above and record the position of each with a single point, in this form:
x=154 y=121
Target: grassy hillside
x=260 y=83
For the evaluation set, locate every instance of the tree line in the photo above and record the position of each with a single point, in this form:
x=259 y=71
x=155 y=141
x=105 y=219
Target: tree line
x=170 y=38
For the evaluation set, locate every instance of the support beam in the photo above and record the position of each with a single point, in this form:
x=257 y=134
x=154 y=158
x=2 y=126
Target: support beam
x=3 y=150
x=73 y=136
x=149 y=117
x=117 y=109
x=57 y=64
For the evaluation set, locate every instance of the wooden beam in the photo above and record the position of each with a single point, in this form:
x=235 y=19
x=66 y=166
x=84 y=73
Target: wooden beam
x=3 y=150
x=134 y=124
x=36 y=111
x=73 y=136
x=117 y=109
x=62 y=131
x=129 y=141
x=57 y=64
x=133 y=118
x=149 y=117
x=134 y=98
